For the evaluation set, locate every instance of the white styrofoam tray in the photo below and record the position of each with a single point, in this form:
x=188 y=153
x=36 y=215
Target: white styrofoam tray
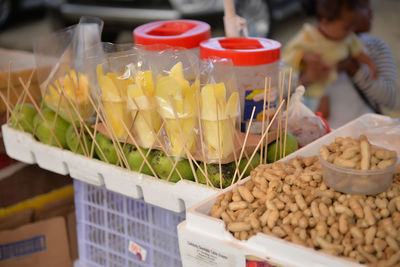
x=172 y=196
x=201 y=234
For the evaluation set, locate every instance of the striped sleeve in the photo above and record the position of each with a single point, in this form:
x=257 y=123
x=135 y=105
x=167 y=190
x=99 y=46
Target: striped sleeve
x=383 y=90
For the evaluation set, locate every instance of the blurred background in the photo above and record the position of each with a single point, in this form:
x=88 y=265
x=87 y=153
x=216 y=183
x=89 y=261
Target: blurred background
x=23 y=20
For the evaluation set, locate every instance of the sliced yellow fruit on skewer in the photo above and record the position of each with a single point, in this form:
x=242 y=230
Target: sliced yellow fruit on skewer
x=75 y=86
x=143 y=110
x=179 y=126
x=113 y=95
x=218 y=117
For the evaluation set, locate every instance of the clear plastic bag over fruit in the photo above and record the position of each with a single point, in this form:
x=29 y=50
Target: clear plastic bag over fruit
x=112 y=69
x=219 y=110
x=302 y=123
x=176 y=83
x=60 y=60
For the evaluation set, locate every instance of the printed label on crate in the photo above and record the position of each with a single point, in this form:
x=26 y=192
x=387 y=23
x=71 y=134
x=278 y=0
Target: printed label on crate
x=253 y=261
x=206 y=256
x=138 y=250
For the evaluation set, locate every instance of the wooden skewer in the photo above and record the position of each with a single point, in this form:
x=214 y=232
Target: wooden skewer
x=202 y=144
x=8 y=88
x=259 y=143
x=53 y=125
x=77 y=103
x=244 y=143
x=15 y=113
x=263 y=119
x=234 y=150
x=23 y=95
x=219 y=145
x=118 y=149
x=163 y=148
x=287 y=110
x=130 y=129
x=188 y=154
x=12 y=111
x=239 y=140
x=11 y=86
x=100 y=110
x=79 y=143
x=268 y=111
x=20 y=100
x=63 y=94
x=280 y=115
x=95 y=133
x=40 y=113
x=185 y=139
x=122 y=160
x=151 y=147
x=175 y=162
x=277 y=132
x=137 y=145
x=90 y=133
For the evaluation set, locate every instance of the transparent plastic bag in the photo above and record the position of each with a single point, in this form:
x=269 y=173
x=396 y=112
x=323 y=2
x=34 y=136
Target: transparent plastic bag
x=112 y=71
x=382 y=131
x=302 y=123
x=176 y=83
x=60 y=60
x=219 y=110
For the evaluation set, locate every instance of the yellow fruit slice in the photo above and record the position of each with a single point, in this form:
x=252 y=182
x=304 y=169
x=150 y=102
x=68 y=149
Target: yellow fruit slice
x=232 y=105
x=215 y=114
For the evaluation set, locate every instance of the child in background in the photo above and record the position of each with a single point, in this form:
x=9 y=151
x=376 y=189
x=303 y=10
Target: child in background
x=332 y=40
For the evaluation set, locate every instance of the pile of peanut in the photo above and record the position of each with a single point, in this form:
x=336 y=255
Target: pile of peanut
x=357 y=154
x=290 y=201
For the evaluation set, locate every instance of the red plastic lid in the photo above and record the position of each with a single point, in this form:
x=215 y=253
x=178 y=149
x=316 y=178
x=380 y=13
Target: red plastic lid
x=175 y=33
x=242 y=51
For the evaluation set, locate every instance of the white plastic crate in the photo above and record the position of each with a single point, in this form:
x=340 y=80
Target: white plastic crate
x=108 y=224
x=204 y=241
x=23 y=147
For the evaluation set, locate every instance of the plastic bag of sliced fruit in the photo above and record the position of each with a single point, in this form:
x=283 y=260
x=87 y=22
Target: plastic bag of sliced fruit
x=63 y=83
x=169 y=116
x=60 y=59
x=135 y=125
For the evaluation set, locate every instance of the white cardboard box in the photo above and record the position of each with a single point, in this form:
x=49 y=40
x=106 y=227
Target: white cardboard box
x=204 y=241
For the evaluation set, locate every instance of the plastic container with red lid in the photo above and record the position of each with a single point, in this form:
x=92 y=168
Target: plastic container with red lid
x=174 y=33
x=254 y=59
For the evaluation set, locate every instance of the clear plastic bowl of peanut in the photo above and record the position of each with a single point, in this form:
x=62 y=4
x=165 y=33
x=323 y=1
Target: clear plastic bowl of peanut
x=354 y=166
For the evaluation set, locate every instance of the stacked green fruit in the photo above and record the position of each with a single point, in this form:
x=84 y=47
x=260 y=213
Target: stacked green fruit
x=23 y=115
x=254 y=163
x=135 y=159
x=275 y=149
x=106 y=148
x=78 y=143
x=163 y=167
x=213 y=173
x=44 y=126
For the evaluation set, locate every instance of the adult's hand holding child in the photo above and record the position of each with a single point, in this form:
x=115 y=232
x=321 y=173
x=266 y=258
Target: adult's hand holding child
x=315 y=70
x=348 y=65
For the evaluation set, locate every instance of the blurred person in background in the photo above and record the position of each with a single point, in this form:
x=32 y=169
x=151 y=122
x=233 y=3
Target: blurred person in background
x=331 y=41
x=356 y=92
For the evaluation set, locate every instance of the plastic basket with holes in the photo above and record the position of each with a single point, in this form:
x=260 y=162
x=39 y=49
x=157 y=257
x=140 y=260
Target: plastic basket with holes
x=115 y=230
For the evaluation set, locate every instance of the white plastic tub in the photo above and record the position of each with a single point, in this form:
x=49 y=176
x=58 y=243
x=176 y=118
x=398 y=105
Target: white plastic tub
x=204 y=241
x=350 y=181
